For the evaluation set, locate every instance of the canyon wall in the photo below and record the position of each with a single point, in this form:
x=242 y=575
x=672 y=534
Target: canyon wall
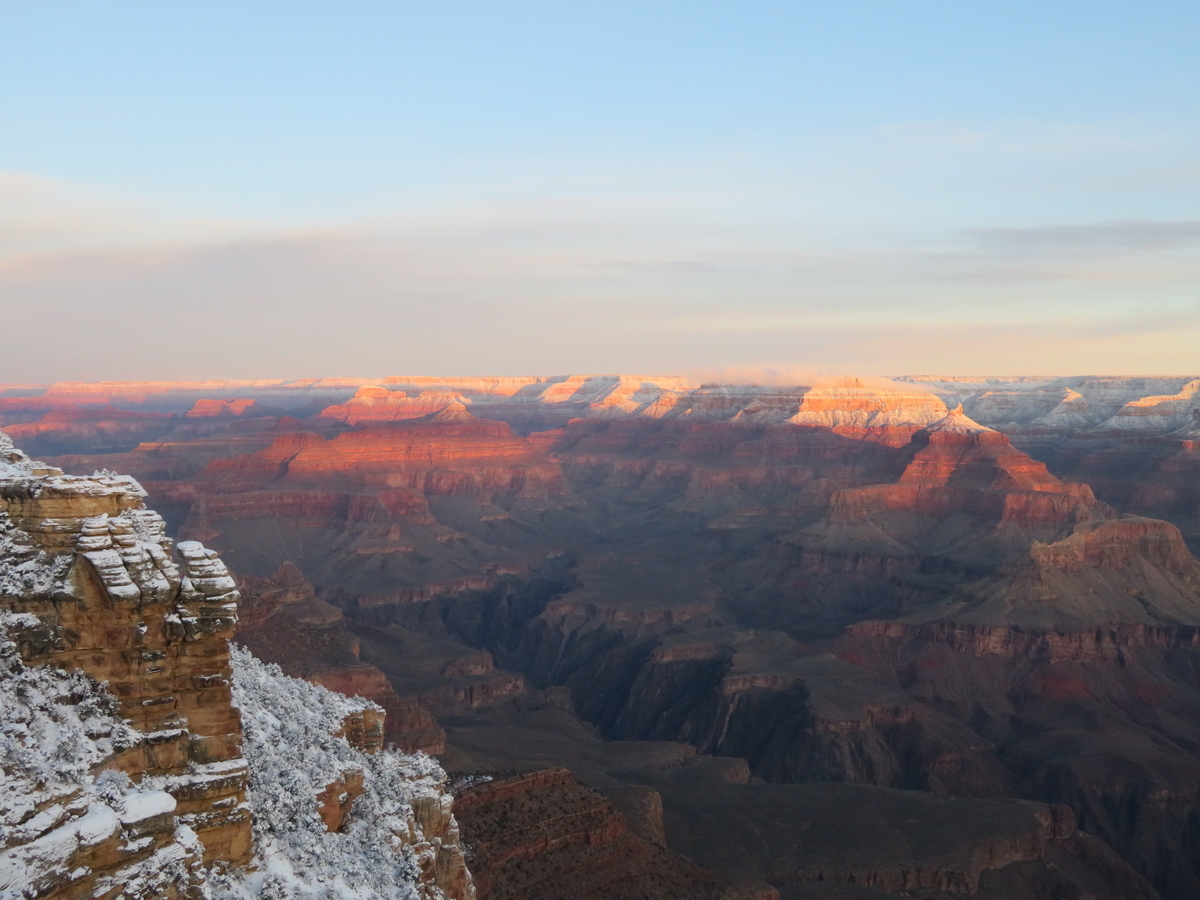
x=836 y=584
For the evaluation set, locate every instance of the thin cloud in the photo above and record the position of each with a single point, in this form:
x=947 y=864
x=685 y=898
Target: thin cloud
x=630 y=287
x=50 y=215
x=1126 y=236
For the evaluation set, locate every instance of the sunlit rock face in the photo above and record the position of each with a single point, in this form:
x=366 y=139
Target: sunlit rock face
x=124 y=767
x=1029 y=548
x=115 y=600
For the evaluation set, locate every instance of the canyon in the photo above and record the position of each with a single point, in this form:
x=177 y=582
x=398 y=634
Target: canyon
x=934 y=636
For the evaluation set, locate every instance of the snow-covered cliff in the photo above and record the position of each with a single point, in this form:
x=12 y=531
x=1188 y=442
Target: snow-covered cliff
x=332 y=820
x=141 y=758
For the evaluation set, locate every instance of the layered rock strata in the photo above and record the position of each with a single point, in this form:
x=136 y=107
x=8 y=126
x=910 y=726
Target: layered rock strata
x=112 y=599
x=69 y=827
x=837 y=840
x=138 y=788
x=862 y=594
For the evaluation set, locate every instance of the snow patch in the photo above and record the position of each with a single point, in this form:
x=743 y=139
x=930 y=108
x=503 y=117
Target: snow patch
x=294 y=752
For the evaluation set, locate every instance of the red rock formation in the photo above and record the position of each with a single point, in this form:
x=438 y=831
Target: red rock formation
x=961 y=466
x=334 y=801
x=740 y=475
x=209 y=408
x=93 y=427
x=372 y=403
x=546 y=835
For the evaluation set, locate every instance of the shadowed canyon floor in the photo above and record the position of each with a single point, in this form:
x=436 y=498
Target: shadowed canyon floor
x=849 y=639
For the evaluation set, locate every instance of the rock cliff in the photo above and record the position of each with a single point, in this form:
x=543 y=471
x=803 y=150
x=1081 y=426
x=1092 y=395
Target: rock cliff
x=284 y=622
x=126 y=770
x=93 y=566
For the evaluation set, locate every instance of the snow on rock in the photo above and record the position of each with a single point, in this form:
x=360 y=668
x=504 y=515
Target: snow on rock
x=854 y=405
x=69 y=824
x=25 y=568
x=65 y=822
x=1163 y=412
x=94 y=575
x=399 y=841
x=957 y=422
x=92 y=806
x=1135 y=404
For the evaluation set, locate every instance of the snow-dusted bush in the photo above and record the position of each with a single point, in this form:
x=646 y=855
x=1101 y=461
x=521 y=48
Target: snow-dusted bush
x=293 y=754
x=55 y=727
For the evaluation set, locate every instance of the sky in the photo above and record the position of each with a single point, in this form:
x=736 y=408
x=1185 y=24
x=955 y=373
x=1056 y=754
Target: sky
x=300 y=189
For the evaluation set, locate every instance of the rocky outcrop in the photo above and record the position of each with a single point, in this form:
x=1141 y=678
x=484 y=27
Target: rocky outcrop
x=957 y=466
x=372 y=403
x=204 y=409
x=336 y=815
x=93 y=565
x=860 y=411
x=1019 y=539
x=546 y=835
x=70 y=825
x=138 y=787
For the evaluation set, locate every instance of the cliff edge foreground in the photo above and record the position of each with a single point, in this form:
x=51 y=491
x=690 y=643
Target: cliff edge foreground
x=139 y=760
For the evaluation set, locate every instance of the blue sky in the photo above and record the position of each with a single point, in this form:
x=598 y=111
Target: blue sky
x=292 y=189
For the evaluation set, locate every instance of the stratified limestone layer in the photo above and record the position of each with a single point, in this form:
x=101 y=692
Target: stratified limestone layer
x=86 y=558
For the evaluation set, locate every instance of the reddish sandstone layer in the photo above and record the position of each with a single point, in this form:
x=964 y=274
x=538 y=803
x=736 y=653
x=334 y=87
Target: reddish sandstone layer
x=738 y=474
x=383 y=472
x=372 y=403
x=90 y=426
x=960 y=466
x=209 y=408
